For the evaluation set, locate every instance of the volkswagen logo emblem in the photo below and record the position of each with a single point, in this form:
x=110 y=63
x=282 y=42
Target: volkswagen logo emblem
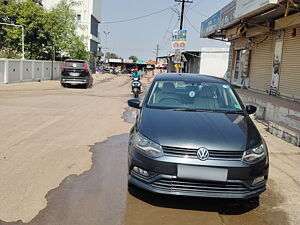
x=202 y=154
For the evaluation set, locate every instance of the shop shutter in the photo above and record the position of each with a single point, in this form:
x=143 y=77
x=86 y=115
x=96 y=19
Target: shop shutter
x=261 y=62
x=289 y=84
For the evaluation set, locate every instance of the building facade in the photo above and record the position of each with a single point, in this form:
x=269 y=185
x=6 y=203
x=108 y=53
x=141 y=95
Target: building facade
x=265 y=44
x=88 y=16
x=202 y=62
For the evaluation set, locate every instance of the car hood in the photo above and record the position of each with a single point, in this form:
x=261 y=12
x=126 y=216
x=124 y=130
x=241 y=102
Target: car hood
x=215 y=131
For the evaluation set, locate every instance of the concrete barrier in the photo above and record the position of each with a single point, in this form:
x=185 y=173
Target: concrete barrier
x=18 y=70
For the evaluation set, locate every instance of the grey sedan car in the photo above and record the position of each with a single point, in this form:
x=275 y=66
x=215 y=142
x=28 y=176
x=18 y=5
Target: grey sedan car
x=193 y=136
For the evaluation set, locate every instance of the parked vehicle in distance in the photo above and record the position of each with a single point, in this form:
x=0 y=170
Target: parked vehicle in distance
x=76 y=72
x=193 y=136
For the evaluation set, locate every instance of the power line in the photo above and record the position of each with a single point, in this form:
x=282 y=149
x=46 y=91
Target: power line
x=201 y=14
x=166 y=42
x=189 y=22
x=169 y=25
x=139 y=17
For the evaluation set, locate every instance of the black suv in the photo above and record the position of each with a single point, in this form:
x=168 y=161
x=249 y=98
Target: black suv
x=76 y=72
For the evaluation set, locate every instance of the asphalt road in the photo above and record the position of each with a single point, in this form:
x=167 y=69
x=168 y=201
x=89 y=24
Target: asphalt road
x=63 y=161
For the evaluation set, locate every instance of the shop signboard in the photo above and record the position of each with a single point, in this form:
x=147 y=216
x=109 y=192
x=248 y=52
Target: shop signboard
x=225 y=17
x=276 y=63
x=179 y=39
x=210 y=25
x=115 y=60
x=228 y=14
x=244 y=7
x=127 y=61
x=141 y=62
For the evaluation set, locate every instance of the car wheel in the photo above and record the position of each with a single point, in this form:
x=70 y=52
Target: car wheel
x=64 y=85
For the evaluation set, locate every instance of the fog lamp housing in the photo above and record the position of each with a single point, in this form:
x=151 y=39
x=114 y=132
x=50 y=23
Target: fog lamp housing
x=258 y=180
x=140 y=171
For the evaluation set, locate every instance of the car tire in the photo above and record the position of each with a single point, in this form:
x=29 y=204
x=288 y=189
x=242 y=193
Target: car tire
x=85 y=86
x=64 y=85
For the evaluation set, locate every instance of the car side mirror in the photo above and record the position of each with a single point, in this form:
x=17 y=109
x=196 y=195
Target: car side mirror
x=251 y=109
x=135 y=103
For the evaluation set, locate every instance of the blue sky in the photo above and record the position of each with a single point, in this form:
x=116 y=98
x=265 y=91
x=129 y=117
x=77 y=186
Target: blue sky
x=140 y=37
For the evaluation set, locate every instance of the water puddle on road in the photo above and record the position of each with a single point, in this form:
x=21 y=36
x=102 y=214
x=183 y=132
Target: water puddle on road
x=95 y=197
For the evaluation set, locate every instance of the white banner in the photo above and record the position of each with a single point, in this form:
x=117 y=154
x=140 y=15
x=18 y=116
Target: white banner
x=243 y=7
x=277 y=63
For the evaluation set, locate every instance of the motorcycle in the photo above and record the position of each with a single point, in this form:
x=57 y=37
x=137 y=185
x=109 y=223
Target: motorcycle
x=136 y=86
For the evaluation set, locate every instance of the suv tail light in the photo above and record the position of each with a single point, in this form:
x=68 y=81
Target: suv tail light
x=86 y=69
x=63 y=66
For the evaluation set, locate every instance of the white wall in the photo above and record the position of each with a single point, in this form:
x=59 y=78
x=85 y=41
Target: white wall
x=2 y=71
x=97 y=6
x=85 y=8
x=214 y=61
x=48 y=4
x=17 y=70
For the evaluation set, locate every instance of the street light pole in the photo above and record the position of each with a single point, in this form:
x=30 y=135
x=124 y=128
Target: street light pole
x=23 y=36
x=106 y=45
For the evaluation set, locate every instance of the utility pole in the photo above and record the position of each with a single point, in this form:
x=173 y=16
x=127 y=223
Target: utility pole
x=157 y=51
x=182 y=10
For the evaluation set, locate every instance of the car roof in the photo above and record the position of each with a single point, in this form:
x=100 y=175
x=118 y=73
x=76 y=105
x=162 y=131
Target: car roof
x=75 y=60
x=189 y=77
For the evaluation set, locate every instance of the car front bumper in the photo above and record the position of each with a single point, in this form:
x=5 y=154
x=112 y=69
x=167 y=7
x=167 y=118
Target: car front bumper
x=162 y=177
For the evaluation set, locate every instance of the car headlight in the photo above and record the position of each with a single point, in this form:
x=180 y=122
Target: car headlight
x=255 y=154
x=148 y=147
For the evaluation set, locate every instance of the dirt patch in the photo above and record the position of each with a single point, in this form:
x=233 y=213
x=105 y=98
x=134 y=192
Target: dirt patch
x=95 y=197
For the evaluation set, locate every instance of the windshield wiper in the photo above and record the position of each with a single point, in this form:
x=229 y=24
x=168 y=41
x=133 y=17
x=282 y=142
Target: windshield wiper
x=191 y=110
x=234 y=112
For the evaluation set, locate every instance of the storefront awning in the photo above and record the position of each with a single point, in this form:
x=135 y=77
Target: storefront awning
x=239 y=15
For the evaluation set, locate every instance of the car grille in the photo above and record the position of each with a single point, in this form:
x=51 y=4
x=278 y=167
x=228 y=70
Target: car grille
x=175 y=185
x=213 y=154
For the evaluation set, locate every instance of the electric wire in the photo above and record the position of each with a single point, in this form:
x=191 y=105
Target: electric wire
x=168 y=28
x=201 y=14
x=139 y=17
x=190 y=23
x=164 y=46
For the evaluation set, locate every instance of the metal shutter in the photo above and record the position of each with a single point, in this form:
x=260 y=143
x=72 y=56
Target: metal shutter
x=289 y=84
x=261 y=62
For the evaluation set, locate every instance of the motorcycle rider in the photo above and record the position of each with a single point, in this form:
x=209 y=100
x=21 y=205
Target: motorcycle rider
x=137 y=74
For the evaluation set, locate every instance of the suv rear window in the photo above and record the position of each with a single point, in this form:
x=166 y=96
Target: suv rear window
x=75 y=64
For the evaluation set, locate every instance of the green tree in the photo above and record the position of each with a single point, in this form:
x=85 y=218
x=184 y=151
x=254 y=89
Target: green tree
x=34 y=20
x=110 y=55
x=45 y=32
x=63 y=29
x=133 y=58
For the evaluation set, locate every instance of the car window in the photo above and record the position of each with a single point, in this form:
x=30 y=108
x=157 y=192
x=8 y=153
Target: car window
x=75 y=64
x=193 y=95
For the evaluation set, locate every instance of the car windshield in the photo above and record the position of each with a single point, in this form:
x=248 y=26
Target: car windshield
x=75 y=64
x=184 y=95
